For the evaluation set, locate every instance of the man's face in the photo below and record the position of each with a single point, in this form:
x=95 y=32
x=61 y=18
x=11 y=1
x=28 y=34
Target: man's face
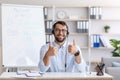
x=60 y=32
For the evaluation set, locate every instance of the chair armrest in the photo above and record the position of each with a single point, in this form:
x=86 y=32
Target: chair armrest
x=114 y=71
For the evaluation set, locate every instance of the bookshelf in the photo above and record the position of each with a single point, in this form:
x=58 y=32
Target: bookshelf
x=97 y=19
x=111 y=17
x=72 y=19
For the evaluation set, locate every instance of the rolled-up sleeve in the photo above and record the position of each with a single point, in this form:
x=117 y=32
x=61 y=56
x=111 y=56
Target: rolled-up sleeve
x=81 y=67
x=41 y=64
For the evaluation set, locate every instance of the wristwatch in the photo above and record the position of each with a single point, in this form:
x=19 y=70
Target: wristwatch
x=77 y=53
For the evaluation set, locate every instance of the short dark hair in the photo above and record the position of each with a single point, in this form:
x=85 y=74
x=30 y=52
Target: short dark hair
x=60 y=22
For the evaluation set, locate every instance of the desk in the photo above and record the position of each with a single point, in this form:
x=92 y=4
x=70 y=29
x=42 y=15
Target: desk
x=56 y=76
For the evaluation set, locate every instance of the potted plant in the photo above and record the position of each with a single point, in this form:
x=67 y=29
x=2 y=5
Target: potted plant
x=106 y=28
x=116 y=44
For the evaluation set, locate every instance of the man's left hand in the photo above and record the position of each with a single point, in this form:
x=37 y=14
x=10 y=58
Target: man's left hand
x=72 y=48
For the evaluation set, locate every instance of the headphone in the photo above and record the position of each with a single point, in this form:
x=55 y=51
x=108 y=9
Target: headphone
x=62 y=23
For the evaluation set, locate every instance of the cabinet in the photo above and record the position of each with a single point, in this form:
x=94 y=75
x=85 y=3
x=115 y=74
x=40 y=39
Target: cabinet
x=92 y=19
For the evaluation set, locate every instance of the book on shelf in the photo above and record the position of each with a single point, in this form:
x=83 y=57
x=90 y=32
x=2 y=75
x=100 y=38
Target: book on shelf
x=48 y=26
x=82 y=26
x=45 y=13
x=51 y=24
x=105 y=41
x=47 y=38
x=95 y=42
x=95 y=12
x=100 y=13
x=78 y=27
x=91 y=12
x=86 y=27
x=98 y=40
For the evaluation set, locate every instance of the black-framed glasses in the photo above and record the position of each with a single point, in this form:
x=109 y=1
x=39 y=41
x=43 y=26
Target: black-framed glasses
x=59 y=30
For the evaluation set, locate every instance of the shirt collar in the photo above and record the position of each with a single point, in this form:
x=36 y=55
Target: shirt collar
x=63 y=46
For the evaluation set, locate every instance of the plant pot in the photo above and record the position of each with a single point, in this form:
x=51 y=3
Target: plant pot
x=106 y=30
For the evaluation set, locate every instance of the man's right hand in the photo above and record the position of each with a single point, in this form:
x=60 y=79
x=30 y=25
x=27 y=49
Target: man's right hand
x=52 y=51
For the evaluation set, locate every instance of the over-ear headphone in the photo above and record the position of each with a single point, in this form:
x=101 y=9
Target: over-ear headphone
x=62 y=23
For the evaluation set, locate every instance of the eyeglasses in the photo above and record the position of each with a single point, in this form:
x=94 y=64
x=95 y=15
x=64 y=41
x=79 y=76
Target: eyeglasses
x=59 y=30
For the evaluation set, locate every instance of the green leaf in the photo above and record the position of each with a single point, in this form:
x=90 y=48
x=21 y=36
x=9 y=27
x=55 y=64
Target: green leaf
x=116 y=44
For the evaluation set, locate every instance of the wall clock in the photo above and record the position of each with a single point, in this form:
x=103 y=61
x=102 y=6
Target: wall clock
x=61 y=14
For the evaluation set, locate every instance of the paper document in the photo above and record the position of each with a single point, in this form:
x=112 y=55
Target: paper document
x=33 y=74
x=41 y=73
x=22 y=72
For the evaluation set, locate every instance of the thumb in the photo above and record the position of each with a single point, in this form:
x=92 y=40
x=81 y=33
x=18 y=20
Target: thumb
x=74 y=42
x=50 y=44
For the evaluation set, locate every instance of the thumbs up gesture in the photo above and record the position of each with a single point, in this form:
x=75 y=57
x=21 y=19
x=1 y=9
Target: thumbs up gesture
x=72 y=48
x=52 y=51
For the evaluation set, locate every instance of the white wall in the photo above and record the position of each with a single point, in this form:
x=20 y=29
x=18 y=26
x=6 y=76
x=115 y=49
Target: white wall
x=65 y=2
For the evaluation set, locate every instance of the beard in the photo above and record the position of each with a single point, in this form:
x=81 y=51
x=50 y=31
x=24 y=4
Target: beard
x=60 y=40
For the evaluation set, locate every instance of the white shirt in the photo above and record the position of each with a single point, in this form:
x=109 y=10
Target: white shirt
x=62 y=58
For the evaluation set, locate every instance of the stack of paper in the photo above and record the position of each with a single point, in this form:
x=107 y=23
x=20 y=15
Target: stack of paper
x=22 y=72
x=33 y=74
x=30 y=73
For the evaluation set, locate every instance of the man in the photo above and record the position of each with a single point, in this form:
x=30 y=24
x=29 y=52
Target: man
x=60 y=55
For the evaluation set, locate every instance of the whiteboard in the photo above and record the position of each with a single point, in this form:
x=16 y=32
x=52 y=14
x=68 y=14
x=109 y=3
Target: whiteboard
x=23 y=34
